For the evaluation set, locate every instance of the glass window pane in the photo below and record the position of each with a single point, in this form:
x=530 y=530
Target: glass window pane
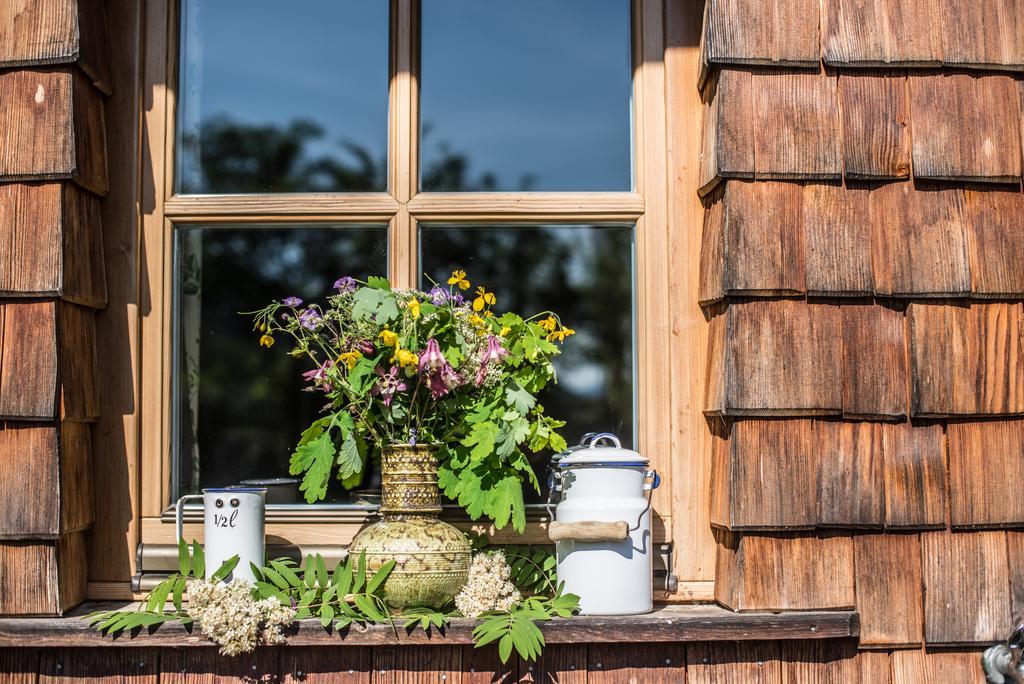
x=240 y=408
x=585 y=274
x=526 y=95
x=279 y=97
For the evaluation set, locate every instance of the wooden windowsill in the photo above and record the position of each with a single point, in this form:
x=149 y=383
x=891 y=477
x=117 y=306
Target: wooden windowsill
x=667 y=623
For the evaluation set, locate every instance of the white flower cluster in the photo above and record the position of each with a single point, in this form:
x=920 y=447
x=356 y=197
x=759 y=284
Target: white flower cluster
x=489 y=586
x=229 y=615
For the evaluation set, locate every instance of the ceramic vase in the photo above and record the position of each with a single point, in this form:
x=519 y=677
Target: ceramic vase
x=431 y=557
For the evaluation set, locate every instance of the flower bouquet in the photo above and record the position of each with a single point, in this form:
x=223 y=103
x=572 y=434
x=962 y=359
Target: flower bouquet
x=442 y=368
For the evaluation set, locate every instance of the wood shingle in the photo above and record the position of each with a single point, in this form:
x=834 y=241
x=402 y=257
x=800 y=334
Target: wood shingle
x=875 y=125
x=875 y=378
x=850 y=474
x=982 y=33
x=915 y=475
x=888 y=576
x=881 y=33
x=995 y=241
x=966 y=360
x=982 y=455
x=727 y=149
x=919 y=242
x=966 y=127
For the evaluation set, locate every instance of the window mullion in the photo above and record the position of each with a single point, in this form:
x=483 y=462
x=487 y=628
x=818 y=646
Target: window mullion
x=403 y=139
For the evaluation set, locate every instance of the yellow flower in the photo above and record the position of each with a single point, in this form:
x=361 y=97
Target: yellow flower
x=560 y=334
x=267 y=341
x=405 y=358
x=483 y=298
x=390 y=338
x=350 y=358
x=459 y=278
x=505 y=331
x=414 y=308
x=476 y=321
x=549 y=324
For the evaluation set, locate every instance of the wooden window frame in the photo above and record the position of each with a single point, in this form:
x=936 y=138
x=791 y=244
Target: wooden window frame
x=669 y=342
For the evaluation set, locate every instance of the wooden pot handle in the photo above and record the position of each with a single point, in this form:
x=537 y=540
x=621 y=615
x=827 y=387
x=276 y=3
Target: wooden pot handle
x=588 y=530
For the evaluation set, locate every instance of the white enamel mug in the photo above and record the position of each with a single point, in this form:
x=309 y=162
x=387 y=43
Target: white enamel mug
x=232 y=526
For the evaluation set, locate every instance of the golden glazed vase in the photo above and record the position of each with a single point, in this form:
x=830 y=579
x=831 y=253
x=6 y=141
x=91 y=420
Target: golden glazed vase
x=431 y=557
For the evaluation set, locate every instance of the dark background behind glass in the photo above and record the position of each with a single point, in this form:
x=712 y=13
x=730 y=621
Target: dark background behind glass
x=251 y=407
x=282 y=96
x=585 y=274
x=525 y=95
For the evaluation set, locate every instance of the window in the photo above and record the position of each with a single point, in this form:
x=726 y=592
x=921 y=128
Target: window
x=293 y=146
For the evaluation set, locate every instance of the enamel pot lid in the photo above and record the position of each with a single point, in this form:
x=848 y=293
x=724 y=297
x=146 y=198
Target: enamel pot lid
x=605 y=449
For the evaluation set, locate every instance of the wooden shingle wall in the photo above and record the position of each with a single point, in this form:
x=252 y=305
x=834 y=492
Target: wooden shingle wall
x=863 y=277
x=54 y=77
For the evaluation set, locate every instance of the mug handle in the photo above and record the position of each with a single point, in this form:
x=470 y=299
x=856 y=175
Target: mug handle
x=179 y=509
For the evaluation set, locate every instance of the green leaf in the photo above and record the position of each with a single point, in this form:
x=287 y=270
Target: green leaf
x=360 y=575
x=225 y=569
x=286 y=573
x=309 y=574
x=342 y=577
x=481 y=438
x=378 y=283
x=367 y=607
x=158 y=597
x=184 y=559
x=314 y=430
x=276 y=578
x=313 y=461
x=321 y=571
x=349 y=462
x=326 y=614
x=256 y=572
x=198 y=561
x=365 y=303
x=380 y=577
x=178 y=592
x=519 y=399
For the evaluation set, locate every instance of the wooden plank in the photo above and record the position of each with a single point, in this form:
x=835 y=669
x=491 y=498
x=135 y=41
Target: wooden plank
x=79 y=389
x=988 y=34
x=42 y=577
x=760 y=236
x=19 y=666
x=766 y=473
x=915 y=472
x=115 y=536
x=416 y=665
x=724 y=663
x=796 y=125
x=101 y=665
x=484 y=666
x=51 y=126
x=966 y=360
x=562 y=663
x=637 y=663
x=995 y=243
x=837 y=238
x=28 y=360
x=780 y=357
x=325 y=665
x=728 y=136
x=966 y=127
x=907 y=666
x=881 y=32
x=919 y=240
x=207 y=666
x=875 y=124
x=56 y=32
x=674 y=623
x=785 y=572
x=966 y=582
x=888 y=576
x=783 y=33
x=980 y=456
x=875 y=378
x=847 y=459
x=820 y=662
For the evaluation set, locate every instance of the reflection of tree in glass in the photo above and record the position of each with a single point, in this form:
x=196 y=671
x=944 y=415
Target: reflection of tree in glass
x=448 y=171
x=243 y=157
x=251 y=407
x=582 y=272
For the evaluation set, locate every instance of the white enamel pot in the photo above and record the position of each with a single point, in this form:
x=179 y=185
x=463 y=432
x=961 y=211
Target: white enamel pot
x=232 y=526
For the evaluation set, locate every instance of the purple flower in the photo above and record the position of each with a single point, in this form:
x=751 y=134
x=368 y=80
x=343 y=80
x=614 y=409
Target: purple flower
x=413 y=435
x=345 y=284
x=494 y=352
x=443 y=381
x=365 y=346
x=440 y=296
x=431 y=359
x=309 y=319
x=388 y=384
x=292 y=301
x=318 y=377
